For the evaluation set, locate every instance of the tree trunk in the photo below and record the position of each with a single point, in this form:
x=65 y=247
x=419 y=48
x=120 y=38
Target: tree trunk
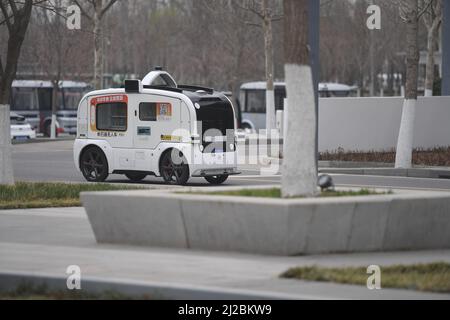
x=6 y=169
x=429 y=81
x=16 y=32
x=54 y=109
x=299 y=173
x=98 y=48
x=372 y=65
x=268 y=48
x=8 y=75
x=406 y=134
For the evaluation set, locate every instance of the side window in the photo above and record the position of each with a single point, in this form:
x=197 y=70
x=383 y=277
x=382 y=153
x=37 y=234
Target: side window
x=280 y=95
x=147 y=111
x=256 y=101
x=23 y=99
x=112 y=116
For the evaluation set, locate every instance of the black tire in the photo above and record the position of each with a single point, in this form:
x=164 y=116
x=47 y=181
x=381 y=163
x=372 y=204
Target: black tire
x=136 y=176
x=216 y=180
x=174 y=173
x=94 y=165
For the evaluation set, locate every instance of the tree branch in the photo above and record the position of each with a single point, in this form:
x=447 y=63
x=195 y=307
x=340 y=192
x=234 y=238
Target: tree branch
x=13 y=7
x=1 y=68
x=107 y=7
x=425 y=9
x=83 y=12
x=5 y=14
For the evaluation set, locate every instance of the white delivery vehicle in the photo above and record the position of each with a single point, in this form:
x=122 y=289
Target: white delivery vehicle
x=156 y=127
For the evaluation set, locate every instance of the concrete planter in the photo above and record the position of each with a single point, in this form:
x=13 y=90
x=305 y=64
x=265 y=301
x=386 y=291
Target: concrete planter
x=402 y=221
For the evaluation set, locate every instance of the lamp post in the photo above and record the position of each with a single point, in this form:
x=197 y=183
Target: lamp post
x=446 y=49
x=314 y=38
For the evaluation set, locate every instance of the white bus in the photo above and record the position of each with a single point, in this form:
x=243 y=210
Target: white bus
x=156 y=127
x=32 y=99
x=252 y=100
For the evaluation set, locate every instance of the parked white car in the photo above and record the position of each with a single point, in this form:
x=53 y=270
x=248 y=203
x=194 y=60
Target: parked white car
x=20 y=129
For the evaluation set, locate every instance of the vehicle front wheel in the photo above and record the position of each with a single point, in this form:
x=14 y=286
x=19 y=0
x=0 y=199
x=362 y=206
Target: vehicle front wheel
x=174 y=172
x=136 y=176
x=94 y=165
x=217 y=179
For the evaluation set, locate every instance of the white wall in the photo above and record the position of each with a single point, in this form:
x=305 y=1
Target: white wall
x=373 y=123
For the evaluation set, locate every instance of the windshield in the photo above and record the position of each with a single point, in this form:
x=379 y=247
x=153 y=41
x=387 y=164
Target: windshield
x=24 y=99
x=16 y=119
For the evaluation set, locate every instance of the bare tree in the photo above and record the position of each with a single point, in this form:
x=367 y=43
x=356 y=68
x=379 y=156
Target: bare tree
x=409 y=11
x=16 y=16
x=299 y=175
x=99 y=8
x=53 y=50
x=432 y=18
x=267 y=15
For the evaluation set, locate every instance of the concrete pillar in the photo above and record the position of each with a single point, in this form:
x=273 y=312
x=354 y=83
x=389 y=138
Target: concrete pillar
x=6 y=170
x=446 y=49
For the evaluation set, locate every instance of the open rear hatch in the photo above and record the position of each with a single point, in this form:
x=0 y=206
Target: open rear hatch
x=215 y=121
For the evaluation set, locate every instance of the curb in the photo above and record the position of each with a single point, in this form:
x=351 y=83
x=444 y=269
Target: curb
x=392 y=172
x=161 y=291
x=42 y=140
x=372 y=169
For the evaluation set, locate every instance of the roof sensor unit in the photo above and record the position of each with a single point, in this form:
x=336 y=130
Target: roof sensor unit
x=133 y=86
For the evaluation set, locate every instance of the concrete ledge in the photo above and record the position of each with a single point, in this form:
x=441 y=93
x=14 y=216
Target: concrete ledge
x=402 y=221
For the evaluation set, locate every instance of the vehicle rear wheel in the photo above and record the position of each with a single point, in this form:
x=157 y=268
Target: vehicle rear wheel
x=217 y=179
x=173 y=172
x=136 y=176
x=94 y=165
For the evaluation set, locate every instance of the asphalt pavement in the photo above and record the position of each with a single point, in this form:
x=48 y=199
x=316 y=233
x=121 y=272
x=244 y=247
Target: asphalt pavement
x=53 y=161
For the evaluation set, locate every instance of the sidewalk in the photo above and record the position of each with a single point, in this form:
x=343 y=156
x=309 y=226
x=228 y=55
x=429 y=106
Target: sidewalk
x=43 y=242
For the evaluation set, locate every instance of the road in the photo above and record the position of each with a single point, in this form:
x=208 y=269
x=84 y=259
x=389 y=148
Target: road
x=53 y=161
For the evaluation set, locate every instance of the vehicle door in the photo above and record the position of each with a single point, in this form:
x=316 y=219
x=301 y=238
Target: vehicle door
x=156 y=118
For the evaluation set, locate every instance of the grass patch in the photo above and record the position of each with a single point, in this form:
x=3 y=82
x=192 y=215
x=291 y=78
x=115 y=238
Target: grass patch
x=27 y=291
x=276 y=193
x=24 y=195
x=433 y=277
